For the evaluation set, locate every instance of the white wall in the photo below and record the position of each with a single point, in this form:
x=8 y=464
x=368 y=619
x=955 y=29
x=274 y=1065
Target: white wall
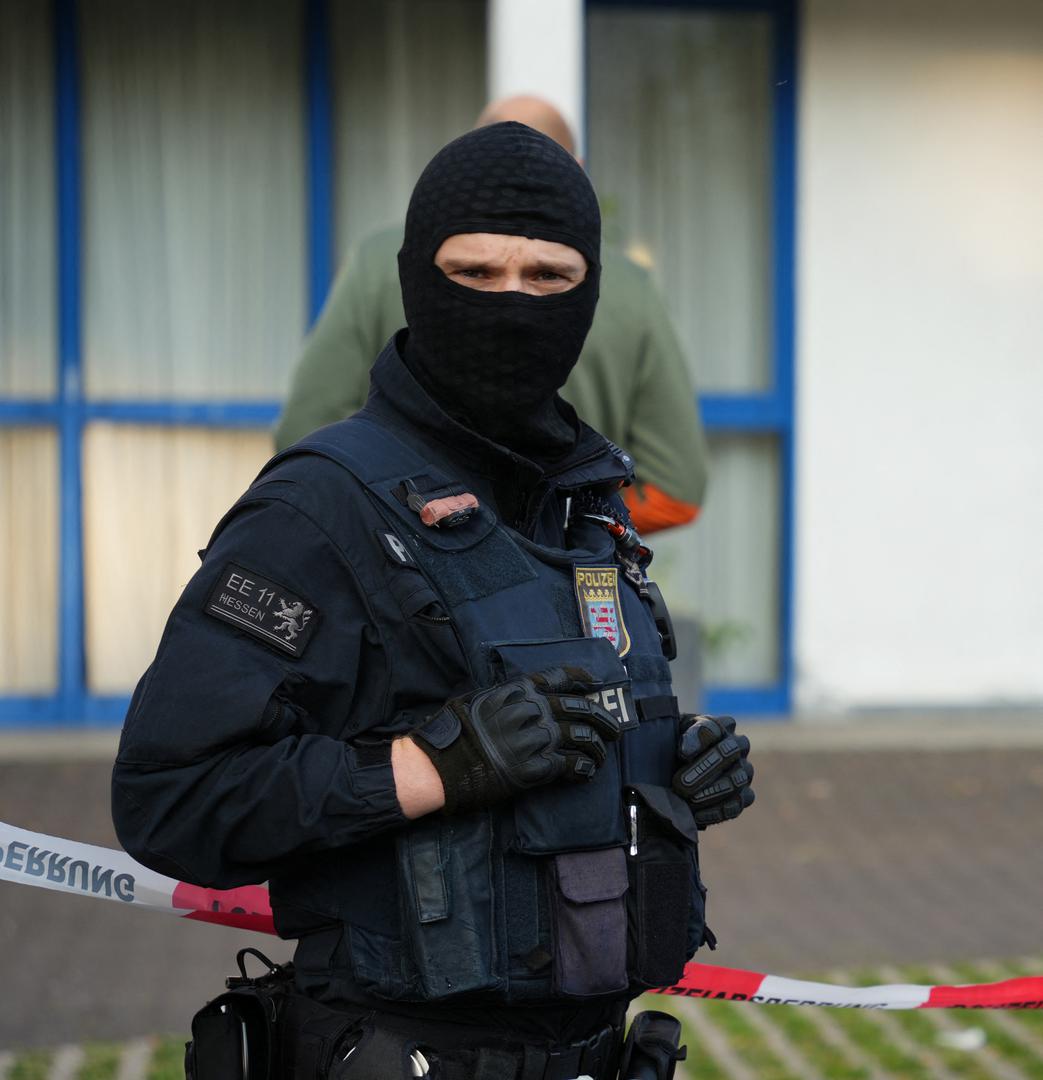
x=536 y=47
x=920 y=353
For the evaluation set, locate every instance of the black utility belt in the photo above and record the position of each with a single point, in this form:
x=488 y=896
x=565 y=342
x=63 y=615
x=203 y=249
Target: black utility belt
x=263 y=1028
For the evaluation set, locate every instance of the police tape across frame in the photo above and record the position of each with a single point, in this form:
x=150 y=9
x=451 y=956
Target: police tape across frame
x=49 y=862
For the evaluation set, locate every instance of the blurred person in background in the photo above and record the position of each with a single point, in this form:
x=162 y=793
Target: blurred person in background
x=631 y=382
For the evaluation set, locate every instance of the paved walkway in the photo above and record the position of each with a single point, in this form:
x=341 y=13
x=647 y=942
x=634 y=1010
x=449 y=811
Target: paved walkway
x=858 y=855
x=883 y=729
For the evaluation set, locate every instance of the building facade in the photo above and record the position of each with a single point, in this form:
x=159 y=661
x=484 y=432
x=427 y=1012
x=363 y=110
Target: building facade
x=841 y=207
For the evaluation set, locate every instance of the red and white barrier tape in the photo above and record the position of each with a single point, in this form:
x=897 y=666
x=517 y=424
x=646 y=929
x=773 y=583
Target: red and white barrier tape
x=68 y=866
x=714 y=983
x=29 y=858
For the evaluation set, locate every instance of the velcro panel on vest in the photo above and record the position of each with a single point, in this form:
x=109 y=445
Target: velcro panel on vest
x=645 y=668
x=496 y=564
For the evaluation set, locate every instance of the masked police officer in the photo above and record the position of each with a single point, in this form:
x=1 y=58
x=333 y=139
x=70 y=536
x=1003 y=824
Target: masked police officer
x=420 y=682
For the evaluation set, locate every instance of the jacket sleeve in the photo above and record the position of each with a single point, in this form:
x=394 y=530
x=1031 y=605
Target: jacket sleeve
x=237 y=751
x=666 y=434
x=331 y=377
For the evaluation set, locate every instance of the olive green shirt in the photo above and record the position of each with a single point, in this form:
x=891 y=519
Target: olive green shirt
x=631 y=382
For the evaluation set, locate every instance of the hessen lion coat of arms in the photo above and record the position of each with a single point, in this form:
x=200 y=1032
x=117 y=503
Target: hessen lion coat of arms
x=600 y=605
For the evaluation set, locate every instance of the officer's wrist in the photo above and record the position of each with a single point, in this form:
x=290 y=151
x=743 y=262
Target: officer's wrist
x=418 y=786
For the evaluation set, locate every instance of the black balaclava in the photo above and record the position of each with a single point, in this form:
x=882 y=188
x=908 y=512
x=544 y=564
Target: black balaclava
x=495 y=360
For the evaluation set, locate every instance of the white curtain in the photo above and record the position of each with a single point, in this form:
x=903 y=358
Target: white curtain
x=28 y=560
x=194 y=259
x=152 y=496
x=409 y=77
x=722 y=573
x=194 y=284
x=679 y=106
x=27 y=239
x=28 y=456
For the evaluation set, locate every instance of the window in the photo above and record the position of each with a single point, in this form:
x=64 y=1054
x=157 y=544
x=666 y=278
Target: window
x=690 y=111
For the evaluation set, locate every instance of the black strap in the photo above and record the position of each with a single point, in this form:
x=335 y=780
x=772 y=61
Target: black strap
x=361 y=446
x=651 y=708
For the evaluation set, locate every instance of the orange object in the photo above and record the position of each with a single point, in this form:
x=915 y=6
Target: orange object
x=652 y=509
x=436 y=511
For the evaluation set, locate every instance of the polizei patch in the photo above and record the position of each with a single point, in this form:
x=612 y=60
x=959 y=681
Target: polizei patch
x=263 y=608
x=600 y=605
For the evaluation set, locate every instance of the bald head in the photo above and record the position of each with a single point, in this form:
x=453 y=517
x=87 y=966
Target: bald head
x=532 y=111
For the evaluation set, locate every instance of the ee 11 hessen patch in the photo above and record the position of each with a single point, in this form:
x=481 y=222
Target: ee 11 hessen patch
x=600 y=605
x=263 y=608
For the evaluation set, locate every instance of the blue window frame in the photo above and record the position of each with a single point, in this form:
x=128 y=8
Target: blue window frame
x=69 y=412
x=769 y=412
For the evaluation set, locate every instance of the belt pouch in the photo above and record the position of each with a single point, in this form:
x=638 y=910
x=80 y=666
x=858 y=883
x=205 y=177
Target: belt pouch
x=312 y=1035
x=234 y=1036
x=652 y=1046
x=446 y=872
x=590 y=922
x=216 y=1049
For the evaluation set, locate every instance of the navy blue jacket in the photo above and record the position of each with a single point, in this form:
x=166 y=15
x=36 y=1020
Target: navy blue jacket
x=325 y=620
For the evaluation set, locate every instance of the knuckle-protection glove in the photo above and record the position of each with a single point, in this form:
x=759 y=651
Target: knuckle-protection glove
x=490 y=745
x=716 y=776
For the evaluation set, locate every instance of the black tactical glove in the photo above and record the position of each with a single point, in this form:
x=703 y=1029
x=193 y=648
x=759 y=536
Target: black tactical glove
x=495 y=743
x=717 y=777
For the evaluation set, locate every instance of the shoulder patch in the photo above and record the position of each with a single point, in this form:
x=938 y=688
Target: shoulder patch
x=263 y=608
x=601 y=607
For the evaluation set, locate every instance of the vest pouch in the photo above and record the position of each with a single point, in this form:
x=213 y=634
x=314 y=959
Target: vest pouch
x=572 y=816
x=435 y=652
x=450 y=919
x=663 y=869
x=590 y=923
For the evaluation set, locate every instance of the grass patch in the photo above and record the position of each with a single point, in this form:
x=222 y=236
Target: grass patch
x=745 y=1040
x=925 y=1029
x=101 y=1061
x=996 y=1033
x=32 y=1065
x=872 y=1038
x=795 y=1023
x=168 y=1059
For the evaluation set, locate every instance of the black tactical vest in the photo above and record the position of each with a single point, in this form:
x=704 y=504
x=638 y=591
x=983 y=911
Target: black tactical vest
x=572 y=890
